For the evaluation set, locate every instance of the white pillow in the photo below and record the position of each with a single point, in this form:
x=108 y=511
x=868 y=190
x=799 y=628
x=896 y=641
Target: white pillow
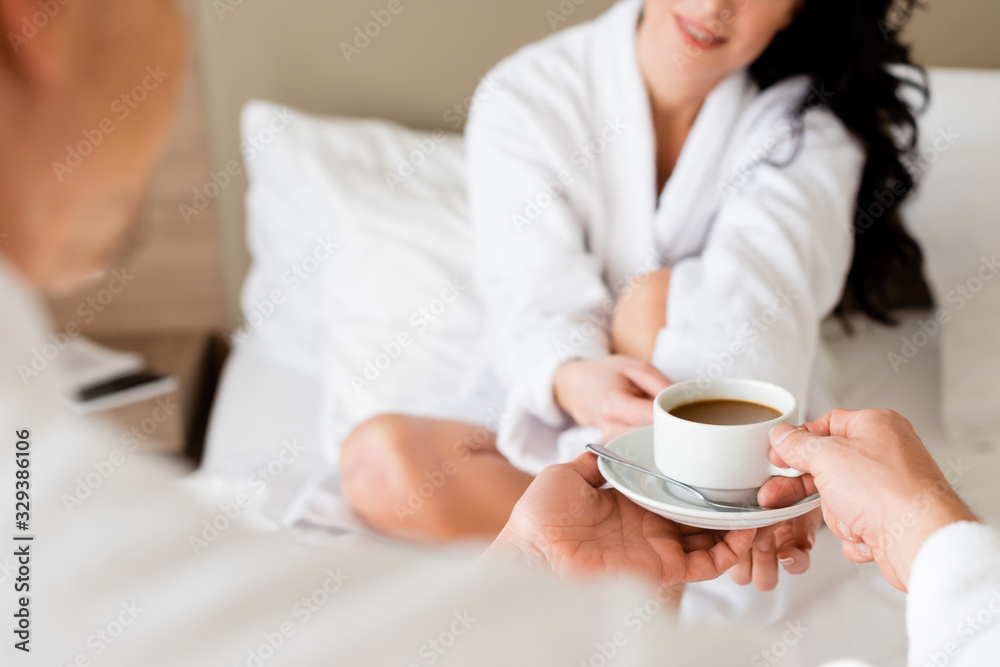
x=289 y=223
x=954 y=215
x=396 y=326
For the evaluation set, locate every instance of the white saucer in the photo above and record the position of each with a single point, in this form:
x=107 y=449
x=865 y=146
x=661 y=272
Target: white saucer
x=658 y=496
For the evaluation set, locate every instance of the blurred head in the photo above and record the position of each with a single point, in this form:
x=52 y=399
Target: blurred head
x=88 y=91
x=711 y=38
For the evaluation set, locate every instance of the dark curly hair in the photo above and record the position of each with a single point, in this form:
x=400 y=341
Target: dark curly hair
x=851 y=51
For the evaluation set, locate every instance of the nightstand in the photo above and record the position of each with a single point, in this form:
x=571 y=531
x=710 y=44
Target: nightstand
x=173 y=424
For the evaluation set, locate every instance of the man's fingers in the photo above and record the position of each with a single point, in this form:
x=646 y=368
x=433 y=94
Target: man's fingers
x=704 y=565
x=836 y=526
x=797 y=447
x=837 y=423
x=585 y=465
x=742 y=572
x=699 y=541
x=766 y=532
x=819 y=426
x=795 y=540
x=857 y=552
x=784 y=491
x=776 y=459
x=765 y=565
x=647 y=378
x=793 y=559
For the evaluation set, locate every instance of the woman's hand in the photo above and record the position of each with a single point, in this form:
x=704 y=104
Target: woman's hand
x=883 y=494
x=564 y=521
x=614 y=393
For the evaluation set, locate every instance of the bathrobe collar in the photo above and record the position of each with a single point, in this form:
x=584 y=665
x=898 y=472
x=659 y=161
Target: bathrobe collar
x=619 y=88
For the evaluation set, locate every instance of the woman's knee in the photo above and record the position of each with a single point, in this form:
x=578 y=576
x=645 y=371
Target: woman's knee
x=373 y=461
x=384 y=466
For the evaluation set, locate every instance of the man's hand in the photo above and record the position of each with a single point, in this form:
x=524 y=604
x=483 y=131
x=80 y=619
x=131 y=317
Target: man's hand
x=614 y=393
x=564 y=521
x=787 y=543
x=882 y=492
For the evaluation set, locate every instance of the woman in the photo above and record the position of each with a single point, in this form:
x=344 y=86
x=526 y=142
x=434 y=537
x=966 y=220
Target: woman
x=672 y=191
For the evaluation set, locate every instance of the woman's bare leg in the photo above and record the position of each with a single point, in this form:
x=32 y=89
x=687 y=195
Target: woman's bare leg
x=428 y=479
x=640 y=313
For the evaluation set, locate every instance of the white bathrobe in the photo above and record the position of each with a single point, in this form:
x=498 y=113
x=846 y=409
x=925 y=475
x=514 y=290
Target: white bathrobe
x=562 y=187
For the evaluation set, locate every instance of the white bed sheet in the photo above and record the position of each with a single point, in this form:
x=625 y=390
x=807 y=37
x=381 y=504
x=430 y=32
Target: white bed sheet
x=847 y=611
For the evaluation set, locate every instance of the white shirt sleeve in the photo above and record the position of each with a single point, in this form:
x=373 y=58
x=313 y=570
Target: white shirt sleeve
x=773 y=265
x=532 y=266
x=953 y=606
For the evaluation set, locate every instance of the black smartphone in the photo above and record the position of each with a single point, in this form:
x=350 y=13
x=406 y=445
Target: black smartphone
x=130 y=381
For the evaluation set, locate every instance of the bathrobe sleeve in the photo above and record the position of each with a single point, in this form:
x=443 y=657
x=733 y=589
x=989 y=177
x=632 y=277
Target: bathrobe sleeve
x=773 y=265
x=532 y=267
x=953 y=607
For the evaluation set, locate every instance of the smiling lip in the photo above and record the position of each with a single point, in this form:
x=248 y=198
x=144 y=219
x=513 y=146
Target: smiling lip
x=696 y=34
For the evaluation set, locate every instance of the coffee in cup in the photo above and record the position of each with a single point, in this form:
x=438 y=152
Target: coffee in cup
x=716 y=437
x=725 y=412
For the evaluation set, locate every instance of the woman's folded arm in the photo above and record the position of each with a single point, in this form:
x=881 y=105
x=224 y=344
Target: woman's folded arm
x=774 y=264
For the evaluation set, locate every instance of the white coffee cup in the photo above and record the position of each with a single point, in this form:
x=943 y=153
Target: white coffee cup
x=726 y=463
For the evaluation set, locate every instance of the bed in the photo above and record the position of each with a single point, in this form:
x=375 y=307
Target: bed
x=276 y=386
